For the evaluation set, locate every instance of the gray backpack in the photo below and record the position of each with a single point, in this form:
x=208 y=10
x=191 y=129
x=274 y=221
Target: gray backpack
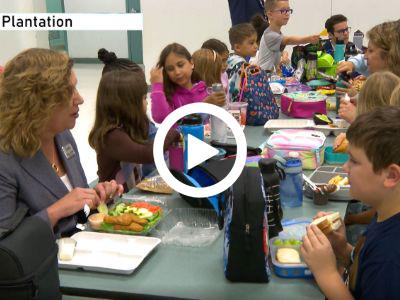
x=28 y=258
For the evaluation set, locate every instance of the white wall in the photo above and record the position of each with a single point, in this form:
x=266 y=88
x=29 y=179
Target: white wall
x=87 y=43
x=167 y=21
x=190 y=24
x=364 y=14
x=13 y=42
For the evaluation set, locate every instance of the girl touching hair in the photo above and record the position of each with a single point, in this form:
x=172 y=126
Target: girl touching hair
x=174 y=83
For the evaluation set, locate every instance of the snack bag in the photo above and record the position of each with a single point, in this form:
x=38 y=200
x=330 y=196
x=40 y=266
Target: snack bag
x=155 y=184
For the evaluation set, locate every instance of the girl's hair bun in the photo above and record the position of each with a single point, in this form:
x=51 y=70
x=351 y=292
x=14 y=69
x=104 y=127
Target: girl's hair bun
x=105 y=56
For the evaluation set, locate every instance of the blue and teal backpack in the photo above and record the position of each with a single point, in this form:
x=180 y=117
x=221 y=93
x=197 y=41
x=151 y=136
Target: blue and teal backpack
x=254 y=89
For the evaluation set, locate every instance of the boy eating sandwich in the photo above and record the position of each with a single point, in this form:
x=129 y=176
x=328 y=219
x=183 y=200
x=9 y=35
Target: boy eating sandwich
x=374 y=176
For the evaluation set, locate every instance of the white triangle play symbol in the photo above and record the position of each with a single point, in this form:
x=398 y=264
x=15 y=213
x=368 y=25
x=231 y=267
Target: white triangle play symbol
x=198 y=151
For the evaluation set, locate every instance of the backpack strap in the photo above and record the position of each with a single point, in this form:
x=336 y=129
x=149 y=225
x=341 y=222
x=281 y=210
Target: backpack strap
x=14 y=221
x=243 y=82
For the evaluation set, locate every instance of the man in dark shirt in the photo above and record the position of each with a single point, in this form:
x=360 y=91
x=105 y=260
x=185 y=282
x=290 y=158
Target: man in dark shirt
x=338 y=29
x=242 y=10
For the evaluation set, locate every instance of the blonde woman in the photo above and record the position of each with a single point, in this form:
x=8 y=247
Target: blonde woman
x=383 y=54
x=39 y=160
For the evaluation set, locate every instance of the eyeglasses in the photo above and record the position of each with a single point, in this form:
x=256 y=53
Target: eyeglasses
x=344 y=30
x=285 y=11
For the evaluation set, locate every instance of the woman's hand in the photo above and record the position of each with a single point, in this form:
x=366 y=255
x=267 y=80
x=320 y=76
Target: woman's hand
x=107 y=190
x=156 y=75
x=217 y=98
x=71 y=203
x=347 y=110
x=317 y=252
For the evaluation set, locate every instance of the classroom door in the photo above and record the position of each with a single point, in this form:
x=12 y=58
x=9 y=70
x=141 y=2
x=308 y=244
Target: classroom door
x=74 y=42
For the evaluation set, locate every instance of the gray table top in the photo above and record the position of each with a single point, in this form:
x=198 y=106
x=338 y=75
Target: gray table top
x=197 y=273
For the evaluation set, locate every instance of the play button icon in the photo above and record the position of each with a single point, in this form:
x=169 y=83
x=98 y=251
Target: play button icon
x=198 y=151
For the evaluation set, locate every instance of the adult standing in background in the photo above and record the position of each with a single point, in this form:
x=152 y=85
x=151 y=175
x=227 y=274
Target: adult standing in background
x=243 y=10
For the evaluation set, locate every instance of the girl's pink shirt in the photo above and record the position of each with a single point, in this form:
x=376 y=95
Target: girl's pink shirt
x=161 y=108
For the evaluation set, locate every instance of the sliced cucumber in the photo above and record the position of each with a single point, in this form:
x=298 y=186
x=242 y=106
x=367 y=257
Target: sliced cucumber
x=146 y=215
x=102 y=208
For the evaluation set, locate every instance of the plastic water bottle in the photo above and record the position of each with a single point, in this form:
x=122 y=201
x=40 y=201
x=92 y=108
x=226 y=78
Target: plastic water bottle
x=292 y=186
x=219 y=131
x=299 y=73
x=340 y=47
x=358 y=39
x=311 y=72
x=192 y=124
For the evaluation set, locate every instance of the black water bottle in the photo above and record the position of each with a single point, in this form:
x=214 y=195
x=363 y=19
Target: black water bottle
x=272 y=176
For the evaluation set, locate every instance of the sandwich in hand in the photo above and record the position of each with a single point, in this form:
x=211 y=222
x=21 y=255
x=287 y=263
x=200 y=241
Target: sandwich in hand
x=328 y=223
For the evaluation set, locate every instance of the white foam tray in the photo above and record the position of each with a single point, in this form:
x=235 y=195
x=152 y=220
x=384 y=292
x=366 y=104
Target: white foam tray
x=110 y=253
x=277 y=124
x=274 y=125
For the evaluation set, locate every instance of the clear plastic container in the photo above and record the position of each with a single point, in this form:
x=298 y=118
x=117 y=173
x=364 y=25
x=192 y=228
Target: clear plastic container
x=239 y=111
x=219 y=130
x=218 y=127
x=294 y=228
x=190 y=227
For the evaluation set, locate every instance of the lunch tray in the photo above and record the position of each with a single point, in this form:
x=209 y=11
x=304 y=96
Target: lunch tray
x=109 y=253
x=277 y=124
x=322 y=175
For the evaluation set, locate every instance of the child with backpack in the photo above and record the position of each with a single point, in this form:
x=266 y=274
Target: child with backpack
x=120 y=134
x=247 y=82
x=174 y=84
